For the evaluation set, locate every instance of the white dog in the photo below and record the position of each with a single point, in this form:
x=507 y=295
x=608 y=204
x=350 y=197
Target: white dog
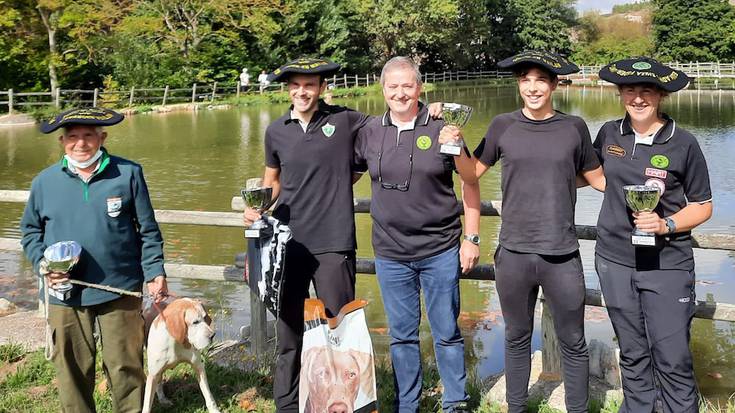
x=177 y=335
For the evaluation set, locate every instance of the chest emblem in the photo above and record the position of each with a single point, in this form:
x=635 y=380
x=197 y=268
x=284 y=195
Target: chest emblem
x=114 y=206
x=656 y=173
x=660 y=161
x=659 y=184
x=328 y=130
x=423 y=142
x=615 y=150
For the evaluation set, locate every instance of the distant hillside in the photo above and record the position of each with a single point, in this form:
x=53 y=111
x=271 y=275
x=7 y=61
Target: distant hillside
x=633 y=7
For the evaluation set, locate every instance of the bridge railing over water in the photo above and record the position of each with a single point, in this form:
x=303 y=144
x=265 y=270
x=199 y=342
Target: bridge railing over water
x=210 y=93
x=258 y=337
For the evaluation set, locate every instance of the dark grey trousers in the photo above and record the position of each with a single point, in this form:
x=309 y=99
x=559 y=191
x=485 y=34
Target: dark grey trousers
x=333 y=275
x=517 y=278
x=651 y=312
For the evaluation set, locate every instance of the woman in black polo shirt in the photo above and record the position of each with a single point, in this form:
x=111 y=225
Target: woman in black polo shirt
x=649 y=290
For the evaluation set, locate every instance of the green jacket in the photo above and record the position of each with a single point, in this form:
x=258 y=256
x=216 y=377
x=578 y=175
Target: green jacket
x=111 y=217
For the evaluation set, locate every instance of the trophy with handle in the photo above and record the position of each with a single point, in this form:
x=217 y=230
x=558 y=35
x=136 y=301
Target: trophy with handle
x=458 y=115
x=642 y=198
x=61 y=257
x=258 y=197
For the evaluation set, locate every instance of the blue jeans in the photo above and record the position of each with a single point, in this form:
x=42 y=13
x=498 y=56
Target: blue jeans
x=400 y=285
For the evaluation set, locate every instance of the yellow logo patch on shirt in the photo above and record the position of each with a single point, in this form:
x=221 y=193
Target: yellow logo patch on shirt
x=615 y=150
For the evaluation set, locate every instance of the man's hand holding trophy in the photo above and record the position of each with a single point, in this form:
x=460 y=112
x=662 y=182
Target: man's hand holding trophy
x=455 y=117
x=258 y=198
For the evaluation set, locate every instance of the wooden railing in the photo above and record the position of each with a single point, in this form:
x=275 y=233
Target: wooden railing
x=704 y=309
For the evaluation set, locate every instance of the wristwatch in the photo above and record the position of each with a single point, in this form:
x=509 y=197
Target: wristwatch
x=473 y=238
x=670 y=225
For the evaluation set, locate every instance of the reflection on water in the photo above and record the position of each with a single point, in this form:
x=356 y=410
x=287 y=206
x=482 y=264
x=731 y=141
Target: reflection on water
x=200 y=160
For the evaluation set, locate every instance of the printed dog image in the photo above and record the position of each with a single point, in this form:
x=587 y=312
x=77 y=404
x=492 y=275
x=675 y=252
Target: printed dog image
x=334 y=379
x=177 y=335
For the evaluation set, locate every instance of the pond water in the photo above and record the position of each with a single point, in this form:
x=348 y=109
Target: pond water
x=200 y=160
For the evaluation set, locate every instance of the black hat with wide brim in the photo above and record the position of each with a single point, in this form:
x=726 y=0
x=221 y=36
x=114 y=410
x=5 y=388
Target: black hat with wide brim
x=83 y=116
x=304 y=66
x=550 y=61
x=644 y=70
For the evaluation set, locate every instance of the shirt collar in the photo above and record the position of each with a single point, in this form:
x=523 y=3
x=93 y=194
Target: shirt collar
x=321 y=109
x=662 y=136
x=422 y=117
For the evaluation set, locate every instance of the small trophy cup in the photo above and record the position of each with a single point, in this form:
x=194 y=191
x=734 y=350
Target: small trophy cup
x=61 y=257
x=457 y=115
x=259 y=198
x=641 y=198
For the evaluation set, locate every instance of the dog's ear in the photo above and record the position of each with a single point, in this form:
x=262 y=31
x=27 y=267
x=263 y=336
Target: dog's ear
x=367 y=372
x=175 y=318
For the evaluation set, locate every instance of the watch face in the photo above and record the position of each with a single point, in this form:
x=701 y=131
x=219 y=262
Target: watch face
x=475 y=239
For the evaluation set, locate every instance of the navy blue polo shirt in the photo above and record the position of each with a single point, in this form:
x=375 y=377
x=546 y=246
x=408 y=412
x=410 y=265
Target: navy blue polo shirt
x=316 y=168
x=540 y=160
x=674 y=162
x=414 y=207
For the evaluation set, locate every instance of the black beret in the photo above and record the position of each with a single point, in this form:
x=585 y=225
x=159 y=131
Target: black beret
x=644 y=70
x=84 y=116
x=305 y=66
x=549 y=61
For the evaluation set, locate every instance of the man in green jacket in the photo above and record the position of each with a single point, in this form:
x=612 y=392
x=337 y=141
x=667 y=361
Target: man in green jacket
x=101 y=202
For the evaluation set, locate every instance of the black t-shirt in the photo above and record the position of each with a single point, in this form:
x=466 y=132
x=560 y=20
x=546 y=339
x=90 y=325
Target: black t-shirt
x=540 y=161
x=675 y=162
x=316 y=176
x=419 y=218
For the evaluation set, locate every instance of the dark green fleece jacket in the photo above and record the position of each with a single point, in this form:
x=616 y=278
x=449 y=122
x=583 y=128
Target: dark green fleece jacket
x=111 y=217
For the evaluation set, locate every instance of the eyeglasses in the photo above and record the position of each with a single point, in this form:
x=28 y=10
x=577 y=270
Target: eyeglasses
x=399 y=187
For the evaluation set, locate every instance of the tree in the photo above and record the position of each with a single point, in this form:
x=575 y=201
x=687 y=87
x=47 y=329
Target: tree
x=694 y=30
x=543 y=24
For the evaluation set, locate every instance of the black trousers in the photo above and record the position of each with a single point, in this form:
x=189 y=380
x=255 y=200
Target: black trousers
x=651 y=312
x=333 y=275
x=517 y=280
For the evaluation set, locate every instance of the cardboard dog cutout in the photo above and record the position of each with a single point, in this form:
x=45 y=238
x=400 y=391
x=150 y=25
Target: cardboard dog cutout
x=337 y=369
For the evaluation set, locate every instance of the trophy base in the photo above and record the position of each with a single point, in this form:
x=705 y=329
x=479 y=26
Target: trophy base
x=646 y=240
x=62 y=295
x=259 y=229
x=448 y=149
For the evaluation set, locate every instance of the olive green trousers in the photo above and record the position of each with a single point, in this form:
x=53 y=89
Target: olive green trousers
x=121 y=329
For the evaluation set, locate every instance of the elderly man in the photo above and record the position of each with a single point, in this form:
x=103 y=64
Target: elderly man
x=100 y=201
x=417 y=235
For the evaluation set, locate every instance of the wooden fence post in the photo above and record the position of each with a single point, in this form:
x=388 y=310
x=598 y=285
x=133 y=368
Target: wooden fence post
x=57 y=98
x=132 y=94
x=334 y=80
x=345 y=86
x=282 y=86
x=10 y=101
x=550 y=353
x=165 y=96
x=214 y=90
x=95 y=96
x=258 y=327
x=357 y=81
x=194 y=93
x=238 y=89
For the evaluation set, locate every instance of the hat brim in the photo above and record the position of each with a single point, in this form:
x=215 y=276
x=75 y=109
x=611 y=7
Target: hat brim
x=681 y=81
x=61 y=122
x=511 y=63
x=282 y=73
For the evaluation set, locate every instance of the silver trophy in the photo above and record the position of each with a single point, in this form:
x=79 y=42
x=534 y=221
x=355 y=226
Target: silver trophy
x=61 y=257
x=258 y=197
x=642 y=198
x=458 y=115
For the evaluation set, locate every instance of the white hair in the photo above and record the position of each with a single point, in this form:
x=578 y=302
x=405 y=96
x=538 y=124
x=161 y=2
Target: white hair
x=400 y=62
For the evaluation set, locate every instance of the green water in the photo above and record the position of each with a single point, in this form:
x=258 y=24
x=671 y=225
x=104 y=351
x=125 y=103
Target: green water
x=200 y=160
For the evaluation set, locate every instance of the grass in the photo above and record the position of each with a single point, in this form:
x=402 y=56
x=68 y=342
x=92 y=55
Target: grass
x=27 y=384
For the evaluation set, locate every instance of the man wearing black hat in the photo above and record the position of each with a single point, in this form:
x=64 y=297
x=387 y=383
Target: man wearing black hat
x=649 y=289
x=542 y=152
x=100 y=201
x=308 y=156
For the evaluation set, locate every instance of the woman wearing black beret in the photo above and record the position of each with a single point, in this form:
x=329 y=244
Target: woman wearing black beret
x=649 y=289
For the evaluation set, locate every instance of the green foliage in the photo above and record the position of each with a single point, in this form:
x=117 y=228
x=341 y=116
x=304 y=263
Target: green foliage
x=631 y=7
x=603 y=39
x=543 y=24
x=694 y=30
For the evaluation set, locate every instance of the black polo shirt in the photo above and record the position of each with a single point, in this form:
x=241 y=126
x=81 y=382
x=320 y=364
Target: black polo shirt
x=420 y=217
x=673 y=161
x=540 y=161
x=316 y=176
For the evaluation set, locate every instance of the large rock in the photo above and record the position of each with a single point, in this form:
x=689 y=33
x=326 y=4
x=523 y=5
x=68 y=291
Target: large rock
x=6 y=307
